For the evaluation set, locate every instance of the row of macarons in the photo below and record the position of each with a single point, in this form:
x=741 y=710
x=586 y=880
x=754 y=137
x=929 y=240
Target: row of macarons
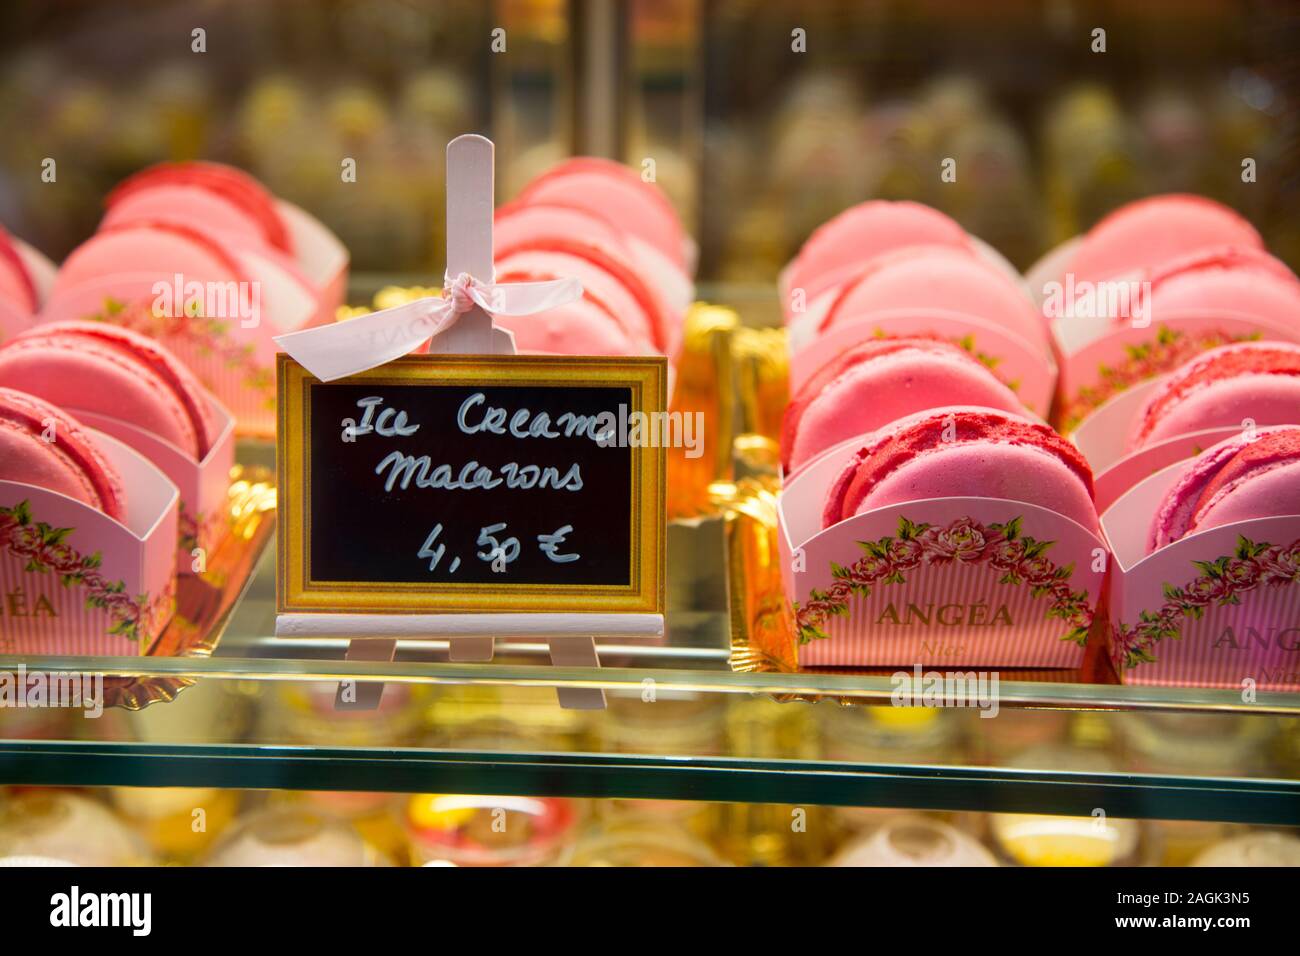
x=889 y=257
x=969 y=451
x=213 y=225
x=917 y=416
x=1186 y=252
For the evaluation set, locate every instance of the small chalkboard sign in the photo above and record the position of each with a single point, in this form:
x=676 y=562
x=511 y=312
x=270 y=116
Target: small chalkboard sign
x=473 y=484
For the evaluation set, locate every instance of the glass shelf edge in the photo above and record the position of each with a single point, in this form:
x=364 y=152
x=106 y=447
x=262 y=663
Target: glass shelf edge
x=260 y=766
x=864 y=688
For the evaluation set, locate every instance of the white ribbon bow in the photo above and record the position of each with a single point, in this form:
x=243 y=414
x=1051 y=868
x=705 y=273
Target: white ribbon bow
x=346 y=348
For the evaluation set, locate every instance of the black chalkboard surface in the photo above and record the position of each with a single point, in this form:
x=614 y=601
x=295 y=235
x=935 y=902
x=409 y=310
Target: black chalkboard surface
x=472 y=483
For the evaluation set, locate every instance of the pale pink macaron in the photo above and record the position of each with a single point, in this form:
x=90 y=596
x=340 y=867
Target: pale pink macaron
x=161 y=248
x=519 y=223
x=878 y=382
x=103 y=368
x=185 y=205
x=863 y=232
x=616 y=192
x=621 y=314
x=16 y=285
x=71 y=464
x=230 y=198
x=960 y=452
x=1242 y=478
x=1233 y=386
x=1147 y=233
x=947 y=278
x=1233 y=280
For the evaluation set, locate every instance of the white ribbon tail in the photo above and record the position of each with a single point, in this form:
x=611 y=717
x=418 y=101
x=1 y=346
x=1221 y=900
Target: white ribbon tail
x=526 y=298
x=346 y=348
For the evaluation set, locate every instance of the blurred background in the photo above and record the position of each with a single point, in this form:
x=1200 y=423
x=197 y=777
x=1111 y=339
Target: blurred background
x=756 y=142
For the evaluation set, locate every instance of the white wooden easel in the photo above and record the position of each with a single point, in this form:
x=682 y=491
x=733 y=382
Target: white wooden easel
x=471 y=637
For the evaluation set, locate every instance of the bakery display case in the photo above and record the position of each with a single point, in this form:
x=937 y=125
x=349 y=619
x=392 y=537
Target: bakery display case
x=897 y=601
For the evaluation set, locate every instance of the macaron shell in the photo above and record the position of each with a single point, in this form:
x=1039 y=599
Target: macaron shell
x=1274 y=490
x=145 y=248
x=71 y=465
x=939 y=277
x=115 y=372
x=881 y=389
x=185 y=205
x=987 y=470
x=859 y=234
x=1227 y=465
x=1148 y=232
x=1058 y=474
x=616 y=192
x=1257 y=399
x=517 y=224
x=234 y=185
x=1243 y=384
x=579 y=328
x=604 y=280
x=1239 y=287
x=16 y=285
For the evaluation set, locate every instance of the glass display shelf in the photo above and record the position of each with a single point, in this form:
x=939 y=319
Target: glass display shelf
x=680 y=725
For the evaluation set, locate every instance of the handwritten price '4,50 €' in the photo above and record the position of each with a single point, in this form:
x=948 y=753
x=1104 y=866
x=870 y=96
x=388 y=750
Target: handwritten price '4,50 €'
x=499 y=552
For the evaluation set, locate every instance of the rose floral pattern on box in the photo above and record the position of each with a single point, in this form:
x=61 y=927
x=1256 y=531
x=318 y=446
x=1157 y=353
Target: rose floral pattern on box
x=44 y=550
x=1222 y=582
x=1019 y=559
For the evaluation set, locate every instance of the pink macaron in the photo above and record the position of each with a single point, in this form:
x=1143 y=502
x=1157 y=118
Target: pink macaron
x=878 y=382
x=948 y=278
x=16 y=285
x=837 y=248
x=165 y=248
x=621 y=310
x=229 y=196
x=1149 y=232
x=1233 y=280
x=1249 y=383
x=616 y=192
x=112 y=371
x=71 y=463
x=961 y=452
x=1241 y=478
x=519 y=223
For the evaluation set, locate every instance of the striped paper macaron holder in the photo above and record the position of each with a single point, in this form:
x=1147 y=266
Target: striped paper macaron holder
x=1218 y=608
x=78 y=582
x=961 y=582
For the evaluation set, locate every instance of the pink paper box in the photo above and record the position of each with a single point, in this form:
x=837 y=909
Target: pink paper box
x=203 y=485
x=1099 y=363
x=954 y=581
x=74 y=580
x=1220 y=608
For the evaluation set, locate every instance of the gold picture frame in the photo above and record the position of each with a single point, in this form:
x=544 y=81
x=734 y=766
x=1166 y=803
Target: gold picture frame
x=297 y=591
